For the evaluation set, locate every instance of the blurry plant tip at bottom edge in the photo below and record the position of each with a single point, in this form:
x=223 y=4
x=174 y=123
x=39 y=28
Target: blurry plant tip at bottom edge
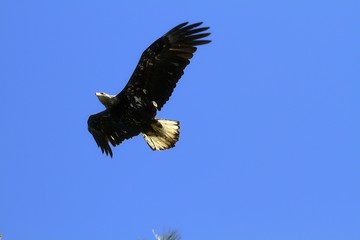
x=171 y=235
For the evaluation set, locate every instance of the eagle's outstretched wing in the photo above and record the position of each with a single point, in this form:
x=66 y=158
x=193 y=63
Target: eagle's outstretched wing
x=162 y=64
x=107 y=127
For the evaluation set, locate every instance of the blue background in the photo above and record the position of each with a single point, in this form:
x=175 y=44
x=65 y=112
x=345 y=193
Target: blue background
x=269 y=112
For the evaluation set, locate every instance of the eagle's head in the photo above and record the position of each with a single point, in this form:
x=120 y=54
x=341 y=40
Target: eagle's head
x=106 y=99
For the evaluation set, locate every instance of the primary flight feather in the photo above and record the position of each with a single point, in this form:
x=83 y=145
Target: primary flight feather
x=133 y=110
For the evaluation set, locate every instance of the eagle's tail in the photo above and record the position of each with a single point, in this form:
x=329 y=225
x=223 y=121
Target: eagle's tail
x=164 y=134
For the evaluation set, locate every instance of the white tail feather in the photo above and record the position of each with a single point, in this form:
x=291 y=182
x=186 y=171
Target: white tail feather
x=164 y=135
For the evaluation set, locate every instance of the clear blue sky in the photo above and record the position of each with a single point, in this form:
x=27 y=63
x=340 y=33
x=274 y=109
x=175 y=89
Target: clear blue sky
x=269 y=111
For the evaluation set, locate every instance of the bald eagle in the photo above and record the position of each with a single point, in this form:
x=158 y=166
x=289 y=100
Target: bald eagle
x=133 y=110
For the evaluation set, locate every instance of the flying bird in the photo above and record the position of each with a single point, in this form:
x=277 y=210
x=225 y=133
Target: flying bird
x=133 y=110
